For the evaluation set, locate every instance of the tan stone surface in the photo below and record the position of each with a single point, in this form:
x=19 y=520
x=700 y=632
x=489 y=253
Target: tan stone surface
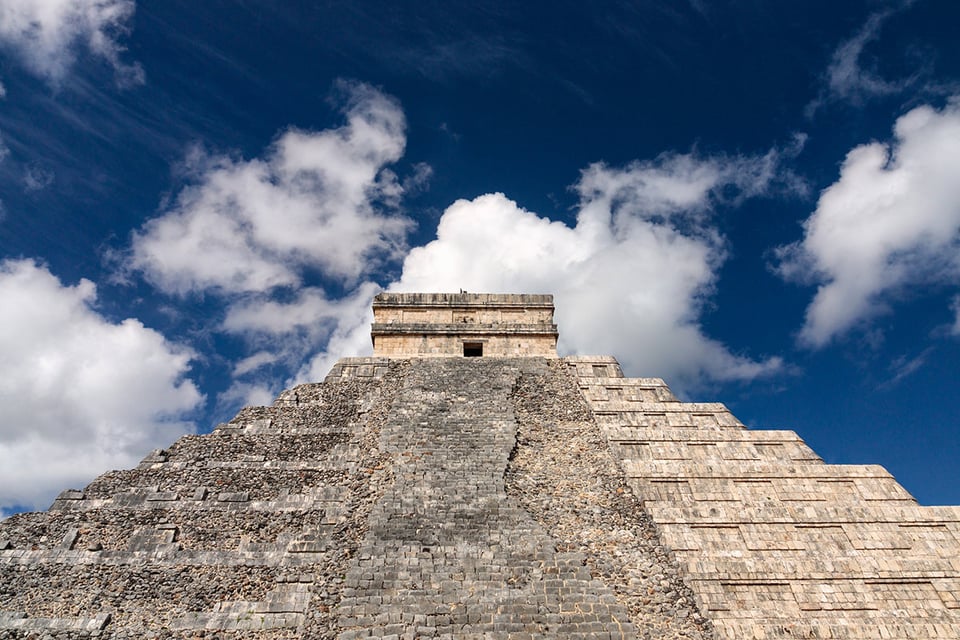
x=775 y=543
x=439 y=325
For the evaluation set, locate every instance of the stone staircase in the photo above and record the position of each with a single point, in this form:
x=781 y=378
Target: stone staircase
x=246 y=531
x=448 y=553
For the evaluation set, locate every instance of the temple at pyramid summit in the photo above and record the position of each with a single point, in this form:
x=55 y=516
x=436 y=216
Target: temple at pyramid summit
x=467 y=482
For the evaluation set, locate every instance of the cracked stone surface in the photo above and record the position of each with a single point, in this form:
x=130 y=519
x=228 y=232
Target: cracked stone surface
x=451 y=498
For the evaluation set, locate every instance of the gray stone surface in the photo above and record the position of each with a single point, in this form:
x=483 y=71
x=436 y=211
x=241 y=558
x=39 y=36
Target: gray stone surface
x=564 y=474
x=448 y=552
x=234 y=533
x=397 y=499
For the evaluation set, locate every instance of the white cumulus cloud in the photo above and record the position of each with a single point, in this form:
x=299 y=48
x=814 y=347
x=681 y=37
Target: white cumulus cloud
x=637 y=269
x=890 y=222
x=350 y=337
x=46 y=34
x=631 y=277
x=78 y=393
x=623 y=282
x=323 y=200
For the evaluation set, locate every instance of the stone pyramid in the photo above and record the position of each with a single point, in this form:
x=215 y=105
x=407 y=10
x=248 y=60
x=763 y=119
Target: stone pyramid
x=465 y=482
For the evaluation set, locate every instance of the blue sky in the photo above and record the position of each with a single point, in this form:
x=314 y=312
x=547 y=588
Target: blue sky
x=758 y=202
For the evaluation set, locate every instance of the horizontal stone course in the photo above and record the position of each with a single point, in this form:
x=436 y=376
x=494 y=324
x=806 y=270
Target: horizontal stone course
x=444 y=325
x=190 y=547
x=773 y=542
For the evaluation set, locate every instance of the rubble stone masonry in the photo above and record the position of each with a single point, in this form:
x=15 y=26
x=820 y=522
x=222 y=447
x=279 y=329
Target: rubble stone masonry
x=398 y=499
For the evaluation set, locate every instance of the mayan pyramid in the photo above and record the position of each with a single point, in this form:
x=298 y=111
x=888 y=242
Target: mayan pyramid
x=465 y=482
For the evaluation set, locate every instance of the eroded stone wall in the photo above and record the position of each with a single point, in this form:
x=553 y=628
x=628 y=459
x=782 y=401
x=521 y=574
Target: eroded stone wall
x=563 y=473
x=244 y=533
x=458 y=498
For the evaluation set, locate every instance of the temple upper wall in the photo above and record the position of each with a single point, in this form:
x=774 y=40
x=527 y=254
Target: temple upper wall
x=463 y=324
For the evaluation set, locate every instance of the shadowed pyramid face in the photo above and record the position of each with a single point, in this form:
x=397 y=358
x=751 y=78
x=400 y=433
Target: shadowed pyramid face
x=463 y=324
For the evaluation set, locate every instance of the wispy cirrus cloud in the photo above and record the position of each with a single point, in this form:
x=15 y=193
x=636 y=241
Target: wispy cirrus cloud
x=903 y=367
x=37 y=178
x=46 y=35
x=852 y=76
x=847 y=77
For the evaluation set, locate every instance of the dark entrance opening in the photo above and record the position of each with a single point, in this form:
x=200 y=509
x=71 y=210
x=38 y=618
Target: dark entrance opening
x=472 y=349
